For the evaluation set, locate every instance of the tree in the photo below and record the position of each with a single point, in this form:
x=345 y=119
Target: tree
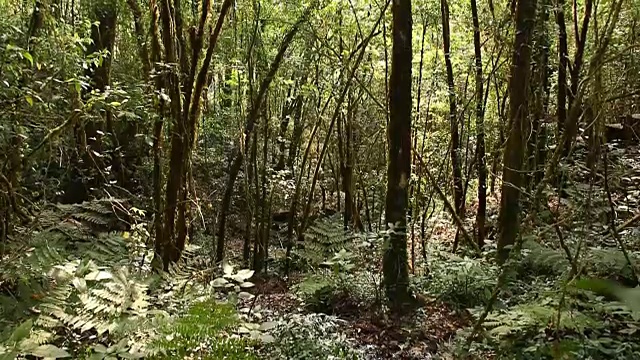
x=456 y=166
x=480 y=148
x=185 y=86
x=518 y=129
x=395 y=265
x=238 y=157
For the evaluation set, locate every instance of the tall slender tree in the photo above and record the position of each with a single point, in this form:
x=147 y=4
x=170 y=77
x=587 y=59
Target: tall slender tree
x=561 y=94
x=518 y=127
x=456 y=166
x=480 y=148
x=395 y=266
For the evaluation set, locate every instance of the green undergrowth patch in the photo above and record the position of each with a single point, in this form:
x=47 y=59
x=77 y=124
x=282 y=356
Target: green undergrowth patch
x=312 y=336
x=538 y=314
x=460 y=281
x=205 y=331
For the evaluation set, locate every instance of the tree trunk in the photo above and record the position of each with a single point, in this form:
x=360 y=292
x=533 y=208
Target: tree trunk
x=395 y=266
x=456 y=165
x=509 y=216
x=250 y=201
x=296 y=136
x=561 y=99
x=287 y=111
x=581 y=41
x=537 y=143
x=236 y=163
x=260 y=248
x=185 y=98
x=480 y=147
x=141 y=36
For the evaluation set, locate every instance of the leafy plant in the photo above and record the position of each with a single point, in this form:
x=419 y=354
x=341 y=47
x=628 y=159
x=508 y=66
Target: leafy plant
x=203 y=332
x=313 y=336
x=324 y=238
x=464 y=282
x=25 y=341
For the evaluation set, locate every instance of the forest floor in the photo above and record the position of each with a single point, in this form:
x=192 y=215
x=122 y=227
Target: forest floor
x=430 y=331
x=63 y=272
x=416 y=335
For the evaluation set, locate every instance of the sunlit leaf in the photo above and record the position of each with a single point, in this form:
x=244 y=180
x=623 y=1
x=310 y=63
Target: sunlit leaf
x=50 y=351
x=245 y=295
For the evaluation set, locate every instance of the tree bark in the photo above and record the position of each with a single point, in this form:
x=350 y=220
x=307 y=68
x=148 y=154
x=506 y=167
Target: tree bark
x=581 y=42
x=456 y=165
x=536 y=147
x=395 y=266
x=185 y=111
x=561 y=94
x=480 y=146
x=518 y=127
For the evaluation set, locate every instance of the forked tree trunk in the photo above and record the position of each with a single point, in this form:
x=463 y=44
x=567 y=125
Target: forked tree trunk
x=581 y=42
x=518 y=128
x=395 y=265
x=185 y=98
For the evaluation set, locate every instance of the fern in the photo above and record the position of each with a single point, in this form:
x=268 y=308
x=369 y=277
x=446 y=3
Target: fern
x=543 y=260
x=101 y=214
x=323 y=239
x=87 y=298
x=532 y=318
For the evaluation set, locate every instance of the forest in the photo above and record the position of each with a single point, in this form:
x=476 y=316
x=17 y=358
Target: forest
x=319 y=179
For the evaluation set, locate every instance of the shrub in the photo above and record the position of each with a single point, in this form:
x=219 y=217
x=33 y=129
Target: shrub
x=462 y=282
x=313 y=336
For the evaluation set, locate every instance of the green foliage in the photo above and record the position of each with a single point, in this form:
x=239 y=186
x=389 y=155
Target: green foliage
x=202 y=332
x=69 y=266
x=326 y=292
x=530 y=319
x=312 y=336
x=463 y=282
x=539 y=259
x=94 y=292
x=323 y=239
x=318 y=292
x=529 y=330
x=87 y=298
x=25 y=341
x=537 y=319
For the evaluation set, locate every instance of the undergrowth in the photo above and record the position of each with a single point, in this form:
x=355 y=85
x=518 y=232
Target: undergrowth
x=204 y=332
x=76 y=291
